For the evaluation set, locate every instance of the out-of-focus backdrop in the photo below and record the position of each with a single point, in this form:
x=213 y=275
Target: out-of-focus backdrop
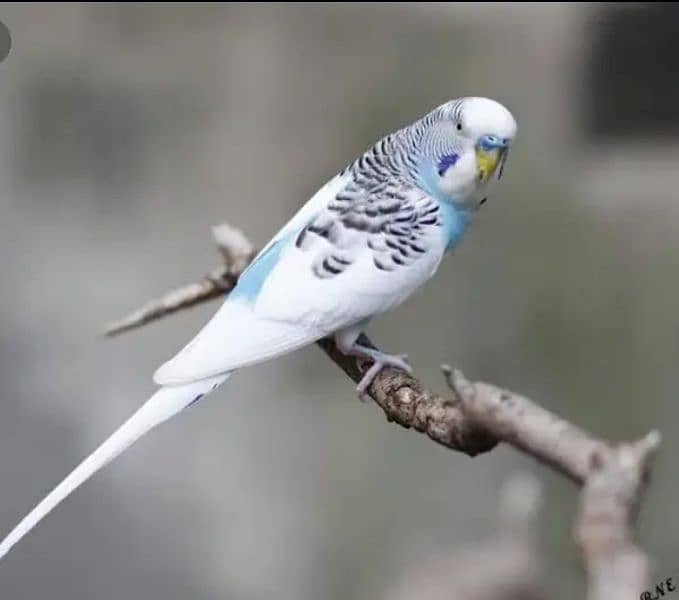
x=126 y=131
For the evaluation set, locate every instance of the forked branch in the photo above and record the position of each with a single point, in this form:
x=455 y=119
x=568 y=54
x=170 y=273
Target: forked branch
x=474 y=420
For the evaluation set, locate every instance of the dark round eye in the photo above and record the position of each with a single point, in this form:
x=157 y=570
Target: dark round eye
x=459 y=126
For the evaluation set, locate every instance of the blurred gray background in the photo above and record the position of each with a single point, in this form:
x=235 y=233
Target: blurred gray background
x=126 y=131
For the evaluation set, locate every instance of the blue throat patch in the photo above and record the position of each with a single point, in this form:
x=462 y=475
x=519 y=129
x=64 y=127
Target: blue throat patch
x=455 y=219
x=455 y=223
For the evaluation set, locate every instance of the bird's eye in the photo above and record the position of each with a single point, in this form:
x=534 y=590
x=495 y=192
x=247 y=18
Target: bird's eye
x=459 y=126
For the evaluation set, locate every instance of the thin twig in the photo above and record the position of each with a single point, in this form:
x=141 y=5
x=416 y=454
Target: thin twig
x=237 y=252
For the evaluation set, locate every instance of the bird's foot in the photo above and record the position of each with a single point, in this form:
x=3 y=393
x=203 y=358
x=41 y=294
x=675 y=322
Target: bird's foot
x=380 y=361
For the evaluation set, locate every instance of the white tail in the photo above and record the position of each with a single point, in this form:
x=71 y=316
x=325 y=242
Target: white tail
x=165 y=403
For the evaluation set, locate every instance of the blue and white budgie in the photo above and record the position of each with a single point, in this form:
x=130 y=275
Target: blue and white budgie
x=363 y=244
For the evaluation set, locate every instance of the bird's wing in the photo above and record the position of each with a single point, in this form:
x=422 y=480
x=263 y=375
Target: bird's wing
x=348 y=254
x=318 y=202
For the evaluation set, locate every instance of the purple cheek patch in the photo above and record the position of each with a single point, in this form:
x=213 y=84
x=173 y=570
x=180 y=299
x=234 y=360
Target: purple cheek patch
x=446 y=162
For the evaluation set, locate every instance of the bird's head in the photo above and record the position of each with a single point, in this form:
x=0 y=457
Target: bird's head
x=464 y=147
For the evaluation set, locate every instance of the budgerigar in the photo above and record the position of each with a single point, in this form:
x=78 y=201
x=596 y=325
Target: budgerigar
x=360 y=246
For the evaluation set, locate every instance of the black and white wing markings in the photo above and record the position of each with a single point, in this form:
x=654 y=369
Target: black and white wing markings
x=405 y=236
x=391 y=220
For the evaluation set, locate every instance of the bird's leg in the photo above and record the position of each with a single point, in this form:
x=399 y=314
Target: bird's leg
x=347 y=344
x=380 y=361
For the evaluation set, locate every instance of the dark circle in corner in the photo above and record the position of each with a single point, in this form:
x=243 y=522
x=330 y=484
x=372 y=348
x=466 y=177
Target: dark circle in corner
x=5 y=41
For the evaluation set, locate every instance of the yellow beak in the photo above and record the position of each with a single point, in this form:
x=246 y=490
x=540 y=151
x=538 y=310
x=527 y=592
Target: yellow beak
x=487 y=162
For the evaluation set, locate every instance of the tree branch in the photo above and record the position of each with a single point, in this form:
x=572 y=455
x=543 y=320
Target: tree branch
x=474 y=420
x=609 y=503
x=237 y=252
x=613 y=479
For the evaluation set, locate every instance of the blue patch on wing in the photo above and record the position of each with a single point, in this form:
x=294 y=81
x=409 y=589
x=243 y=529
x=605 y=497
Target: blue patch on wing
x=251 y=281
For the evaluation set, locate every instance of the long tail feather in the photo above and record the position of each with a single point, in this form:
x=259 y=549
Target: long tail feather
x=165 y=403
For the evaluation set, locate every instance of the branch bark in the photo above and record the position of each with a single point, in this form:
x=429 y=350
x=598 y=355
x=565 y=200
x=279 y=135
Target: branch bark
x=613 y=479
x=474 y=420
